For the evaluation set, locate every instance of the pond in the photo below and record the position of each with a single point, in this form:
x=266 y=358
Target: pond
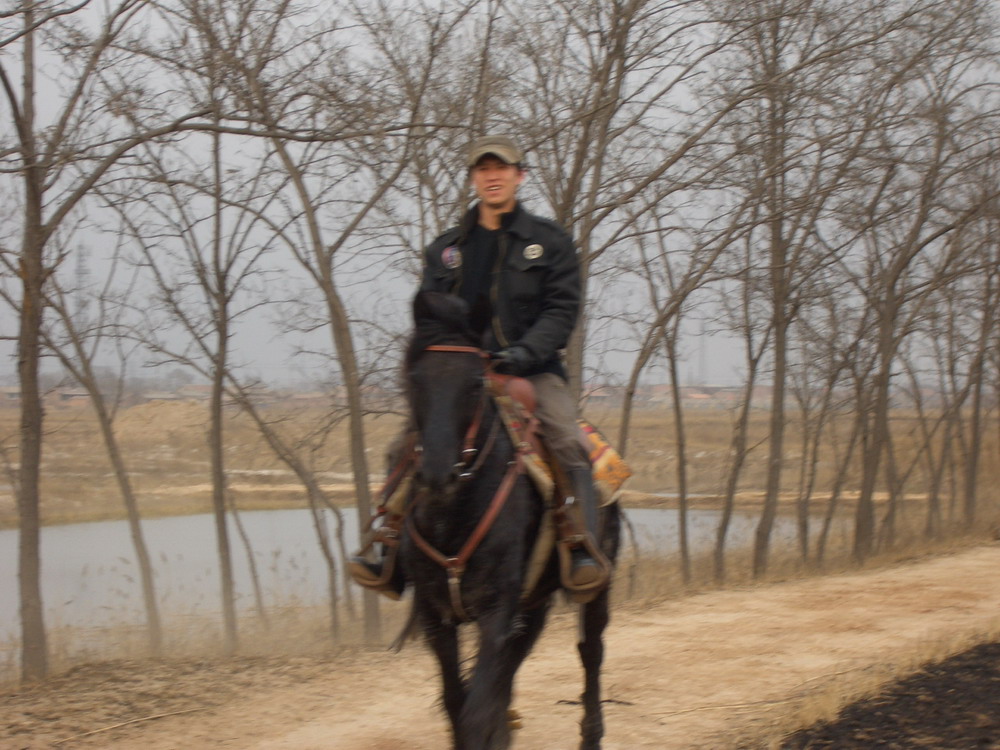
x=90 y=578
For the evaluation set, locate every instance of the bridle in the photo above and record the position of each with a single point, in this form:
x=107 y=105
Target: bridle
x=455 y=566
x=469 y=451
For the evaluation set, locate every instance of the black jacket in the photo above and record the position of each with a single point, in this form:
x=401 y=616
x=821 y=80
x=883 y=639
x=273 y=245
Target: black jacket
x=535 y=287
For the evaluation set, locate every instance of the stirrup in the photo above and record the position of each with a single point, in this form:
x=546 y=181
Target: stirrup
x=582 y=592
x=375 y=576
x=378 y=576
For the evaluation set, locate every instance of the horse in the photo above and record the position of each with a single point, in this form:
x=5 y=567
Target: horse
x=465 y=569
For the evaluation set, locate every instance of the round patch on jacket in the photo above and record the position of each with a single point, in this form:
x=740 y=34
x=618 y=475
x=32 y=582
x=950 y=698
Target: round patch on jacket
x=533 y=252
x=451 y=257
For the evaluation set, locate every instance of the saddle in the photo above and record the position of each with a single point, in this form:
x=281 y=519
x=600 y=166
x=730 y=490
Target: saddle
x=515 y=398
x=559 y=528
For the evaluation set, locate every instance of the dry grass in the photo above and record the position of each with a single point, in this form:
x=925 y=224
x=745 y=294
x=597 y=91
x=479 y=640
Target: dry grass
x=164 y=444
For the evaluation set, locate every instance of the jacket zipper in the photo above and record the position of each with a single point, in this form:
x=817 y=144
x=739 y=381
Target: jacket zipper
x=501 y=257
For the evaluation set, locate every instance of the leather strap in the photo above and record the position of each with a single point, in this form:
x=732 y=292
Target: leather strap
x=396 y=475
x=455 y=566
x=458 y=349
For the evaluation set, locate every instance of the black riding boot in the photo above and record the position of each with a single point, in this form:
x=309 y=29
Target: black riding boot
x=586 y=573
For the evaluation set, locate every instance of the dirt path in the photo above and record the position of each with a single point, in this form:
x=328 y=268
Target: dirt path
x=716 y=670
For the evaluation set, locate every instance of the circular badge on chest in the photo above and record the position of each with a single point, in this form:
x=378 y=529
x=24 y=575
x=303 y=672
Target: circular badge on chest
x=451 y=257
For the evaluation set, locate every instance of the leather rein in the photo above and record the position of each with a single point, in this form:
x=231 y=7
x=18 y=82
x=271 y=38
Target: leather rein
x=455 y=566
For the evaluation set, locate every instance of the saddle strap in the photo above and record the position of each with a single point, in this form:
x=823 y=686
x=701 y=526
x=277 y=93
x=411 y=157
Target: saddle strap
x=521 y=427
x=541 y=553
x=455 y=566
x=396 y=485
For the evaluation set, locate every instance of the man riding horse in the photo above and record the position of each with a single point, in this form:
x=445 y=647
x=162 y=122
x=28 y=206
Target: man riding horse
x=523 y=271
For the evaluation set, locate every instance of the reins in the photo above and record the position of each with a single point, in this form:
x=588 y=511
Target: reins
x=455 y=566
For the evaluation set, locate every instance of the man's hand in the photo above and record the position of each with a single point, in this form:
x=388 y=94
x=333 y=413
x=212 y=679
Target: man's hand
x=514 y=360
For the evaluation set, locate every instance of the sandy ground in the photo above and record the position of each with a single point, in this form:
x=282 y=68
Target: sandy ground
x=723 y=669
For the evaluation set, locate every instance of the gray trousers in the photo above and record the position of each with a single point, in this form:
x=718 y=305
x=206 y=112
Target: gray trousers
x=557 y=414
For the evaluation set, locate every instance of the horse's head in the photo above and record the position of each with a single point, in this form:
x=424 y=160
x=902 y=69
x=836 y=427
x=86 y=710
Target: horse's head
x=445 y=368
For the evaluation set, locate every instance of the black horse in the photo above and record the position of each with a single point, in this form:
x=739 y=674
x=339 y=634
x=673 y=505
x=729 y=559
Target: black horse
x=464 y=569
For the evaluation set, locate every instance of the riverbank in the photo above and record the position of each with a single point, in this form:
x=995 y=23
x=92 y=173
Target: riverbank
x=184 y=500
x=163 y=445
x=276 y=494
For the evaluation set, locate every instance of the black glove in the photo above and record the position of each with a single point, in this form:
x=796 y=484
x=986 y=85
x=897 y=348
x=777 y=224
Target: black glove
x=515 y=360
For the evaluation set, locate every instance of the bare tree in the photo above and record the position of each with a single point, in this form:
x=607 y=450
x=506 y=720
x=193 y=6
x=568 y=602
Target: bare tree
x=600 y=99
x=674 y=264
x=56 y=159
x=986 y=307
x=739 y=312
x=802 y=139
x=330 y=192
x=914 y=212
x=85 y=330
x=195 y=238
x=291 y=454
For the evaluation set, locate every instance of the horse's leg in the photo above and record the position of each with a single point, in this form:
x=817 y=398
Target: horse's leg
x=502 y=648
x=530 y=627
x=443 y=640
x=483 y=724
x=593 y=619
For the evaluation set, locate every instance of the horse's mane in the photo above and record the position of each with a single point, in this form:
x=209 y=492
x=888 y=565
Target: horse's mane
x=440 y=318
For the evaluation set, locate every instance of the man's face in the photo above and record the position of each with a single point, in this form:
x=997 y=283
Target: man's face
x=496 y=182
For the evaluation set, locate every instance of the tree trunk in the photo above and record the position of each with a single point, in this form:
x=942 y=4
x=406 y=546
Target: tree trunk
x=680 y=439
x=218 y=472
x=344 y=347
x=216 y=440
x=874 y=440
x=977 y=378
x=317 y=502
x=971 y=468
x=738 y=452
x=775 y=458
x=153 y=624
x=778 y=276
x=34 y=646
x=838 y=485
